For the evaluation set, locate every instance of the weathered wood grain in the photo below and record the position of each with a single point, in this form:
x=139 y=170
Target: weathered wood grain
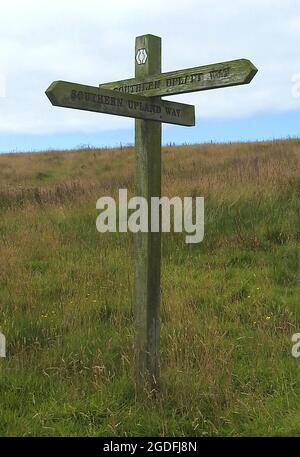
x=88 y=98
x=214 y=76
x=148 y=245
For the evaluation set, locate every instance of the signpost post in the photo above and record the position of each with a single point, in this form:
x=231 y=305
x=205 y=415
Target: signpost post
x=139 y=98
x=148 y=245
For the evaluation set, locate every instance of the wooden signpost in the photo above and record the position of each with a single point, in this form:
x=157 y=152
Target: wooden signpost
x=88 y=98
x=140 y=98
x=214 y=76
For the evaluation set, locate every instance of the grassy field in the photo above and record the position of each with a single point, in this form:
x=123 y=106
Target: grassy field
x=230 y=305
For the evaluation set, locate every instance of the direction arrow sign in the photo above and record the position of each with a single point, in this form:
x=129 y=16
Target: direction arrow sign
x=88 y=98
x=231 y=73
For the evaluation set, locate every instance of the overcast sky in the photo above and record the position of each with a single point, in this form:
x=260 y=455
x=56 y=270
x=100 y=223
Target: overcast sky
x=93 y=41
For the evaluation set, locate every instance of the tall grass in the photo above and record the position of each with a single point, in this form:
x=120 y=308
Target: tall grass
x=229 y=305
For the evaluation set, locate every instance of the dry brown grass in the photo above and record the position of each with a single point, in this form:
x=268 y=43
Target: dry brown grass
x=208 y=169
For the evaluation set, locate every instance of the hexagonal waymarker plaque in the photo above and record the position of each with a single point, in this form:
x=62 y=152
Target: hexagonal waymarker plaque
x=141 y=56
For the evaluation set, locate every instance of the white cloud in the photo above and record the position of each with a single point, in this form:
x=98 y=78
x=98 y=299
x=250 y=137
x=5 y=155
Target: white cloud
x=91 y=42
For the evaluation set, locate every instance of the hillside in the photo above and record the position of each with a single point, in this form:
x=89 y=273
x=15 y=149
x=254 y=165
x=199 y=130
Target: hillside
x=230 y=304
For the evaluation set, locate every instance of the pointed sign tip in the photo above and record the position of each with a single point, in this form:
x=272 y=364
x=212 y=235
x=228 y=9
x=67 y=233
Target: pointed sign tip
x=252 y=72
x=50 y=92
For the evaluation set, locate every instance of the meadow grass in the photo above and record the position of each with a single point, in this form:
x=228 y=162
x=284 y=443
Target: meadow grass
x=230 y=305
